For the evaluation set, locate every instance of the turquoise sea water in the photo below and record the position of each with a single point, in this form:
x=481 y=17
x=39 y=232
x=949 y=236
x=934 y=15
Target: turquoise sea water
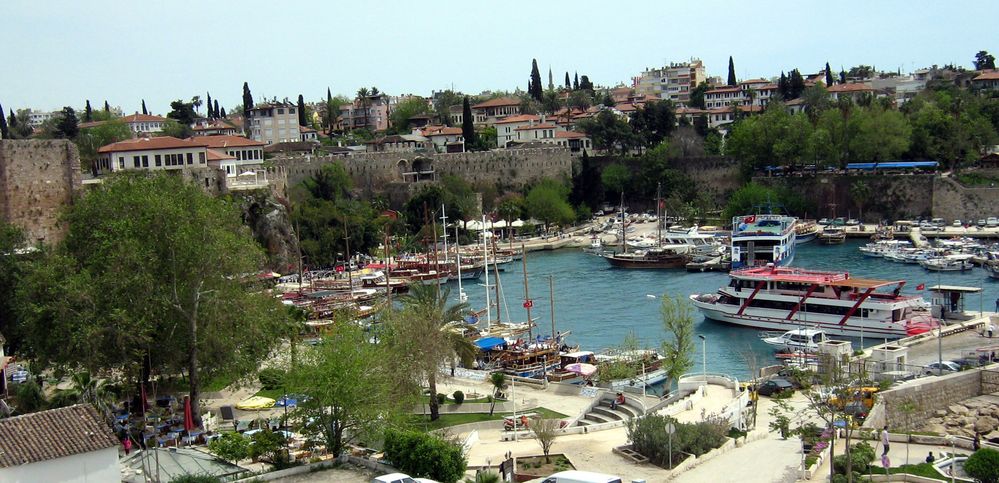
x=601 y=305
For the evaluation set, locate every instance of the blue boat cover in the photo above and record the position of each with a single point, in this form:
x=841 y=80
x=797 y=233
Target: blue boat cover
x=489 y=343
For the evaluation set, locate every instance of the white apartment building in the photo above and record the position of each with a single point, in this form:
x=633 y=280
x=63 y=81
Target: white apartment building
x=144 y=123
x=242 y=153
x=506 y=128
x=274 y=123
x=757 y=92
x=153 y=154
x=37 y=118
x=674 y=82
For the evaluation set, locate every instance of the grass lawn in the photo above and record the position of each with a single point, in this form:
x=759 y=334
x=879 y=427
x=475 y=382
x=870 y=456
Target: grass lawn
x=922 y=469
x=446 y=420
x=271 y=393
x=426 y=399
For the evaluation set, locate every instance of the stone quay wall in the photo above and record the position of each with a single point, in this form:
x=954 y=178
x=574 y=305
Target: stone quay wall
x=931 y=394
x=377 y=172
x=953 y=201
x=38 y=179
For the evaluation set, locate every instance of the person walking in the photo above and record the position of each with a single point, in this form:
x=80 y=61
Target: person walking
x=884 y=440
x=992 y=328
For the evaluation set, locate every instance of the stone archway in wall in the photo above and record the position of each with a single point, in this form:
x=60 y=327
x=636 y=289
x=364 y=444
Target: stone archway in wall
x=402 y=169
x=423 y=169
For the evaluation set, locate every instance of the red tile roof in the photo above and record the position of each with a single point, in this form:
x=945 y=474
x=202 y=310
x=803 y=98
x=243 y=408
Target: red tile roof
x=536 y=126
x=993 y=75
x=569 y=135
x=754 y=81
x=498 y=102
x=52 y=434
x=143 y=118
x=625 y=107
x=146 y=144
x=855 y=87
x=216 y=142
x=722 y=90
x=519 y=118
x=304 y=129
x=441 y=131
x=214 y=155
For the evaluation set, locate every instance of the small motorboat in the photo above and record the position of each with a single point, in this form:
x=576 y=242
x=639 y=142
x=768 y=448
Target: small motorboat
x=806 y=340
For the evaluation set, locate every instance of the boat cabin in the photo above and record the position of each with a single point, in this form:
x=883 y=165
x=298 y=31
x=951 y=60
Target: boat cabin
x=950 y=301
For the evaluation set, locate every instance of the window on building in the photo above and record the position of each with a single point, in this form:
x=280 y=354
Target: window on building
x=190 y=158
x=145 y=161
x=135 y=161
x=280 y=111
x=201 y=158
x=158 y=160
x=291 y=111
x=121 y=162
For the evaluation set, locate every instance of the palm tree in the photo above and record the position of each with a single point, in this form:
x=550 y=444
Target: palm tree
x=87 y=389
x=861 y=194
x=436 y=330
x=498 y=380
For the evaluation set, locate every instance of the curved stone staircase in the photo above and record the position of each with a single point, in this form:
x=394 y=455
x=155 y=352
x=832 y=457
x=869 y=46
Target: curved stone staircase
x=602 y=412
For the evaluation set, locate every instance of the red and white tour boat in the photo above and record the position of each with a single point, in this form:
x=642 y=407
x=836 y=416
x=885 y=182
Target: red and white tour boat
x=786 y=298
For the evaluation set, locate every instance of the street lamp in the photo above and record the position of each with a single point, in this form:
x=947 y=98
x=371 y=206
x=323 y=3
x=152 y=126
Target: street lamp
x=704 y=359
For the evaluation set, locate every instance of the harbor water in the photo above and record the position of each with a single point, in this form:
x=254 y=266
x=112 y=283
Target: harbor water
x=601 y=305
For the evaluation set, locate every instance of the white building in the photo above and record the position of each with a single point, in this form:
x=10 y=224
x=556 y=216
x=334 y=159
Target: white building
x=674 y=82
x=445 y=139
x=144 y=123
x=506 y=128
x=158 y=153
x=306 y=133
x=36 y=118
x=68 y=445
x=233 y=154
x=274 y=123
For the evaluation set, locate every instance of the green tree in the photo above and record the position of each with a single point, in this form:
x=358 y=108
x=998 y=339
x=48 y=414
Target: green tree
x=575 y=81
x=247 y=101
x=468 y=126
x=443 y=102
x=829 y=77
x=403 y=111
x=697 y=95
x=461 y=198
x=211 y=113
x=152 y=272
x=536 y=89
x=983 y=465
x=579 y=100
x=424 y=455
x=615 y=178
x=654 y=122
x=426 y=336
x=585 y=84
x=878 y=134
x=747 y=198
x=678 y=321
x=984 y=61
x=13 y=264
x=731 y=73
x=182 y=112
x=88 y=113
x=301 y=111
x=351 y=388
x=609 y=132
x=67 y=126
x=86 y=389
x=231 y=447
x=364 y=99
x=796 y=84
x=175 y=129
x=568 y=84
x=551 y=102
x=545 y=431
x=816 y=99
x=144 y=110
x=547 y=202
x=4 y=128
x=89 y=140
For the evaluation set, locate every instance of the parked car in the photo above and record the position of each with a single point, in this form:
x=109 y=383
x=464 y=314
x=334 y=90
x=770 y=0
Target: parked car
x=857 y=409
x=981 y=222
x=852 y=222
x=839 y=221
x=947 y=366
x=775 y=386
x=992 y=221
x=824 y=221
x=957 y=224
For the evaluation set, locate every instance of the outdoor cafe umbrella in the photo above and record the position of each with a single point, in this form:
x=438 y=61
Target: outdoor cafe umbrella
x=585 y=370
x=188 y=415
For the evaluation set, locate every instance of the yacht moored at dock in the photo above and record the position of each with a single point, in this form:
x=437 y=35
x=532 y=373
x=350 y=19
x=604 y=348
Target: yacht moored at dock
x=763 y=239
x=783 y=298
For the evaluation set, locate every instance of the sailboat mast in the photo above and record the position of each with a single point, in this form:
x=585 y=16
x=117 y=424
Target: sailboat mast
x=659 y=224
x=499 y=317
x=624 y=232
x=437 y=267
x=346 y=237
x=485 y=260
x=444 y=224
x=527 y=298
x=551 y=297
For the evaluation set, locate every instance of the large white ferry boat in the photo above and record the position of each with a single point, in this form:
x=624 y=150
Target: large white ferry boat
x=785 y=298
x=763 y=239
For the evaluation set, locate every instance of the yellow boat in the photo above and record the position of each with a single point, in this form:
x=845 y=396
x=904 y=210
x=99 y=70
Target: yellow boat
x=255 y=403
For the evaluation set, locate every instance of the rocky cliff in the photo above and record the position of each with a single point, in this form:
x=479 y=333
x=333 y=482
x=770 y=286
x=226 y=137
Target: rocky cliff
x=269 y=220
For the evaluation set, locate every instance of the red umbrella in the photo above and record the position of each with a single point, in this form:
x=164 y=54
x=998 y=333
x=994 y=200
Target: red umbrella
x=188 y=414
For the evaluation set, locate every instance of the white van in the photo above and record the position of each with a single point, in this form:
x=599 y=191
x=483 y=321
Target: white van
x=581 y=477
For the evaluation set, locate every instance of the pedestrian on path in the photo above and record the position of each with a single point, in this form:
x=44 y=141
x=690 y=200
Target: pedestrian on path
x=992 y=328
x=997 y=305
x=884 y=441
x=930 y=458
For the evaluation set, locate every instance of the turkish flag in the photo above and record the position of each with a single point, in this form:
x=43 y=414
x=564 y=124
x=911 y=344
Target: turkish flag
x=528 y=304
x=921 y=286
x=749 y=219
x=662 y=204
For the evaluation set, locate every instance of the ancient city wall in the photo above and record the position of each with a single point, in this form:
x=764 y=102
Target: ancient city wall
x=378 y=171
x=890 y=197
x=38 y=178
x=951 y=200
x=930 y=394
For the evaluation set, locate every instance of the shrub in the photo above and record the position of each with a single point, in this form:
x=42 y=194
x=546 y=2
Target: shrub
x=424 y=455
x=862 y=455
x=459 y=397
x=231 y=447
x=441 y=398
x=269 y=444
x=649 y=438
x=272 y=378
x=196 y=479
x=983 y=465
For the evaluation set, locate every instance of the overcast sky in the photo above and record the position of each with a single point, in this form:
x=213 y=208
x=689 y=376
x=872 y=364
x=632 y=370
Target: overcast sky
x=61 y=52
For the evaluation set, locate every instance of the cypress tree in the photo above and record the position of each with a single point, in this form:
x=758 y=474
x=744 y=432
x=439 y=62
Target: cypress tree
x=585 y=84
x=536 y=90
x=829 y=77
x=467 y=127
x=88 y=114
x=731 y=72
x=144 y=111
x=68 y=126
x=215 y=110
x=568 y=83
x=13 y=119
x=796 y=84
x=575 y=81
x=208 y=105
x=329 y=110
x=222 y=111
x=247 y=100
x=4 y=130
x=301 y=110
x=107 y=108
x=782 y=86
x=842 y=77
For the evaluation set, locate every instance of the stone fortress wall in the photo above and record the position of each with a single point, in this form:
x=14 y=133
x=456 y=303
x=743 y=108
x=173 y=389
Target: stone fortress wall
x=38 y=179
